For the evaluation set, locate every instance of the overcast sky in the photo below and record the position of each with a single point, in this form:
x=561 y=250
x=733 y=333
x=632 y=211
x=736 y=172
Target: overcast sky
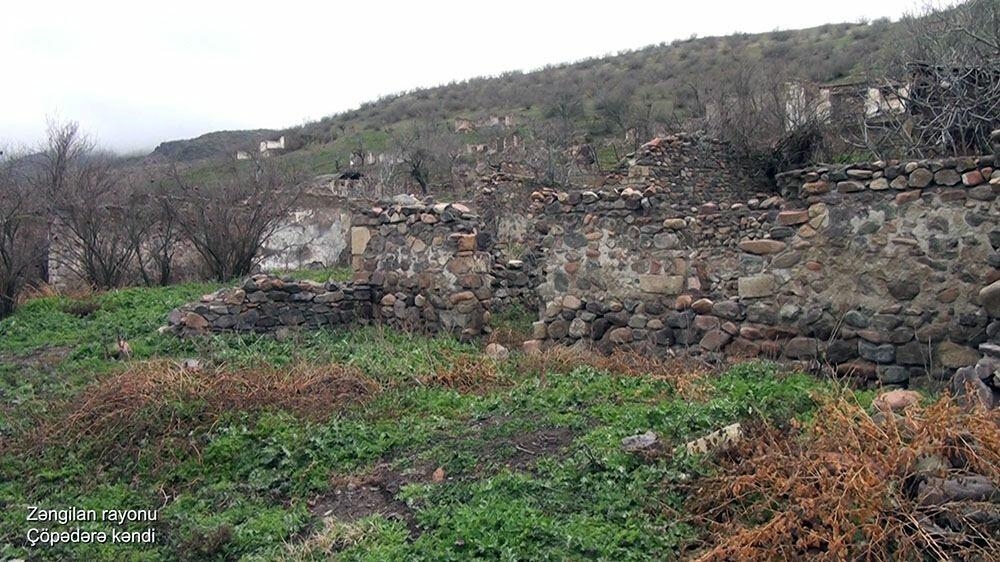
x=137 y=73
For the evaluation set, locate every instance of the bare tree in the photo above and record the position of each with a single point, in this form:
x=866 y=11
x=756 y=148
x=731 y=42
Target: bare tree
x=419 y=159
x=751 y=111
x=22 y=232
x=229 y=217
x=428 y=153
x=96 y=214
x=547 y=152
x=156 y=247
x=937 y=91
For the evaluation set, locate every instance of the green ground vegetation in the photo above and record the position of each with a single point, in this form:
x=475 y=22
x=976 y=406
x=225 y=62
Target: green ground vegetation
x=426 y=450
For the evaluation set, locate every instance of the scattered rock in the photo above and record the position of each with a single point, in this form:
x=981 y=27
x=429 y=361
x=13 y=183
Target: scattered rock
x=644 y=442
x=716 y=441
x=762 y=247
x=497 y=352
x=989 y=296
x=896 y=400
x=755 y=286
x=953 y=355
x=938 y=491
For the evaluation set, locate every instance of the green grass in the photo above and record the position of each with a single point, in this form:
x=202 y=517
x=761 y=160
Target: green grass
x=244 y=487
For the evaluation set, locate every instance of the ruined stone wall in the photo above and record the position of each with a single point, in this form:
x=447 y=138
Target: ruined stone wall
x=314 y=235
x=882 y=270
x=689 y=168
x=887 y=272
x=418 y=267
x=265 y=303
x=429 y=262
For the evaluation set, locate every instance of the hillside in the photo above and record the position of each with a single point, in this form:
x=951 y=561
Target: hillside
x=670 y=76
x=667 y=83
x=566 y=124
x=211 y=144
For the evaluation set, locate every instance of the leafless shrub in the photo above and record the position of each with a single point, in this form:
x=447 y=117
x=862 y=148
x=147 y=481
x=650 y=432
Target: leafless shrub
x=427 y=153
x=22 y=233
x=767 y=128
x=229 y=217
x=97 y=215
x=942 y=76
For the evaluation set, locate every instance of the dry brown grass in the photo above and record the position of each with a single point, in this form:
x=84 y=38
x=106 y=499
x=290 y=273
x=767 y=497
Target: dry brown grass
x=77 y=291
x=846 y=487
x=466 y=374
x=160 y=403
x=557 y=359
x=687 y=376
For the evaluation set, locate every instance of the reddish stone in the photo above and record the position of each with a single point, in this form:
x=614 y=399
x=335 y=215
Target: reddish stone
x=471 y=281
x=815 y=187
x=705 y=323
x=742 y=348
x=948 y=295
x=896 y=400
x=708 y=209
x=195 y=321
x=702 y=306
x=789 y=218
x=461 y=296
x=714 y=340
x=776 y=333
x=532 y=347
x=908 y=196
x=466 y=242
x=952 y=195
x=682 y=302
x=873 y=336
x=814 y=266
x=761 y=247
x=972 y=178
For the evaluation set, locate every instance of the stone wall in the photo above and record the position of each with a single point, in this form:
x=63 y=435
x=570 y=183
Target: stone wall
x=885 y=271
x=418 y=267
x=431 y=265
x=311 y=236
x=689 y=168
x=265 y=303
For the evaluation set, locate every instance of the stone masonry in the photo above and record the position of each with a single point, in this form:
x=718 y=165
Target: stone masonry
x=886 y=272
x=418 y=267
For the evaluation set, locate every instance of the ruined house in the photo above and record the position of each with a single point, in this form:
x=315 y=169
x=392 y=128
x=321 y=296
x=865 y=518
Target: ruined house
x=464 y=125
x=271 y=147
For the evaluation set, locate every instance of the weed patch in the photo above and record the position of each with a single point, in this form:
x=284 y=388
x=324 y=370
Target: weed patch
x=159 y=402
x=850 y=485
